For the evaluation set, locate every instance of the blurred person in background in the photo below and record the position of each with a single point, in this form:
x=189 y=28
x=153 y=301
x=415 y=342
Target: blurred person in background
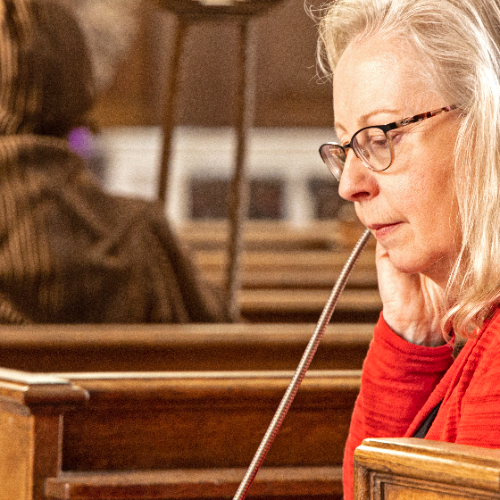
x=69 y=252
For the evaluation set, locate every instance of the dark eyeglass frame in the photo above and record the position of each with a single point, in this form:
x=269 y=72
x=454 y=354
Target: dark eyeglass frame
x=336 y=165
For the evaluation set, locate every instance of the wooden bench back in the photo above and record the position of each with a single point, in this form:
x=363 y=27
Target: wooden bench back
x=169 y=435
x=190 y=347
x=316 y=269
x=199 y=420
x=302 y=305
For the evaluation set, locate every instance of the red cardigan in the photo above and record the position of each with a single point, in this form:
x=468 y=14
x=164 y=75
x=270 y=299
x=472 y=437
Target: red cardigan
x=402 y=382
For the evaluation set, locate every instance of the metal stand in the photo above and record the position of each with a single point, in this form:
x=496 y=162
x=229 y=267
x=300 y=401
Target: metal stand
x=187 y=12
x=301 y=370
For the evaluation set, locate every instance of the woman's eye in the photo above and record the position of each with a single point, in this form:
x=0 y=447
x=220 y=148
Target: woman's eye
x=378 y=141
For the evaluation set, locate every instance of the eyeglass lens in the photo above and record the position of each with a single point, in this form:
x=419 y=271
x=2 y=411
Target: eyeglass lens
x=373 y=147
x=334 y=158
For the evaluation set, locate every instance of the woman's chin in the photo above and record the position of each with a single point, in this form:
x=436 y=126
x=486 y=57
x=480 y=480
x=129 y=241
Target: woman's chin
x=405 y=262
x=434 y=269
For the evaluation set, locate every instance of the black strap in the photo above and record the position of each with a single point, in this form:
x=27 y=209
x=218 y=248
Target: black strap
x=421 y=432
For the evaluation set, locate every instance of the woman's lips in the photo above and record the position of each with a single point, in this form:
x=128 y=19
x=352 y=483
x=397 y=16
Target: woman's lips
x=383 y=230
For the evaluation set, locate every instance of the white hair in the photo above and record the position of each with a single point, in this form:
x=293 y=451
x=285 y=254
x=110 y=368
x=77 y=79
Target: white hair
x=458 y=43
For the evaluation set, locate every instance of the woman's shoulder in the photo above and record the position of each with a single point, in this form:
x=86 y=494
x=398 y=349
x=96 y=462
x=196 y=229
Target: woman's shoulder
x=482 y=353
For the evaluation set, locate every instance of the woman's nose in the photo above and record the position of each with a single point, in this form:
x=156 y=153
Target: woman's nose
x=357 y=181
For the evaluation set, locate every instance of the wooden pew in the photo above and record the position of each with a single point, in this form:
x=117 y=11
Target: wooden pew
x=302 y=278
x=289 y=270
x=304 y=269
x=354 y=306
x=277 y=255
x=411 y=469
x=181 y=435
x=191 y=347
x=272 y=235
x=287 y=273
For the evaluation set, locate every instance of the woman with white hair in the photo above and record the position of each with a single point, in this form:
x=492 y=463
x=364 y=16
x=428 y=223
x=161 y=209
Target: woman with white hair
x=416 y=96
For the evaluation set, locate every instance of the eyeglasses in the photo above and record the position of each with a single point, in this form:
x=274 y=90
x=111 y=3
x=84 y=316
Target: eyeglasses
x=372 y=145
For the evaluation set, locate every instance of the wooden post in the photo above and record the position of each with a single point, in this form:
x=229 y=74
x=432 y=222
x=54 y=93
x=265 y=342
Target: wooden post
x=189 y=11
x=239 y=187
x=169 y=112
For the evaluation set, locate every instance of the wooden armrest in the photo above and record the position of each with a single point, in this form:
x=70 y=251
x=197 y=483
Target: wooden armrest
x=411 y=468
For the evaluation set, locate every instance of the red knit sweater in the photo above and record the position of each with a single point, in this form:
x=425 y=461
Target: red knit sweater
x=402 y=382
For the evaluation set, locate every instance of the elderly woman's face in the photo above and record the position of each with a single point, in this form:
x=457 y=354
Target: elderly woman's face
x=411 y=207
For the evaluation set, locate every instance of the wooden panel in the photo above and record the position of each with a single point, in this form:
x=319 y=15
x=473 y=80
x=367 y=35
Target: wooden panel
x=293 y=279
x=411 y=469
x=278 y=256
x=205 y=420
x=169 y=435
x=294 y=483
x=285 y=260
x=15 y=443
x=191 y=347
x=291 y=282
x=30 y=418
x=301 y=270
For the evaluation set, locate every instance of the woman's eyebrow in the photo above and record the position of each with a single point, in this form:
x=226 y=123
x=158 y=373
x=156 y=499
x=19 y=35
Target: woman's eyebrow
x=364 y=118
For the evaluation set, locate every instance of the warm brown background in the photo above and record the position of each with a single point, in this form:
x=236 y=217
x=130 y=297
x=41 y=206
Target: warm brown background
x=289 y=93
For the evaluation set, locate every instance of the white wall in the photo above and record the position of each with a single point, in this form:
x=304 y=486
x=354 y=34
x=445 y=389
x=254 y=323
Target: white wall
x=133 y=156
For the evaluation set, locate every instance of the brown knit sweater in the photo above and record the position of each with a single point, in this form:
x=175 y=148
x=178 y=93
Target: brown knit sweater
x=68 y=251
